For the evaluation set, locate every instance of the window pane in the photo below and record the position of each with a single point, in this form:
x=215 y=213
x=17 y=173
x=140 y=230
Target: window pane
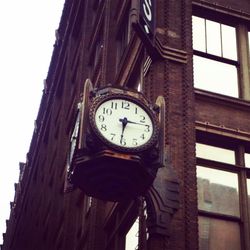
x=249 y=41
x=215 y=76
x=217 y=191
x=247 y=160
x=248 y=193
x=199 y=39
x=218 y=234
x=229 y=47
x=132 y=236
x=215 y=153
x=213 y=38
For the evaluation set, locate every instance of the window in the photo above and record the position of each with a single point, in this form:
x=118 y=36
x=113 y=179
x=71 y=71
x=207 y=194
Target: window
x=132 y=236
x=249 y=42
x=215 y=153
x=212 y=183
x=247 y=163
x=73 y=141
x=223 y=186
x=212 y=38
x=96 y=55
x=139 y=73
x=248 y=190
x=126 y=226
x=134 y=72
x=136 y=237
x=97 y=51
x=218 y=234
x=136 y=78
x=89 y=202
x=123 y=36
x=215 y=76
x=215 y=57
x=247 y=160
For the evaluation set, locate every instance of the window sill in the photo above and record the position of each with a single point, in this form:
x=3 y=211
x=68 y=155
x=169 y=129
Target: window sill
x=222 y=99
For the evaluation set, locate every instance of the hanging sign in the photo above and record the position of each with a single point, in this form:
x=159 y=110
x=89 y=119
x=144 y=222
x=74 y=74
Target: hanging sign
x=147 y=16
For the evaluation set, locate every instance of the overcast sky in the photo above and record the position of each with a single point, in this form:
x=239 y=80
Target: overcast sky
x=26 y=45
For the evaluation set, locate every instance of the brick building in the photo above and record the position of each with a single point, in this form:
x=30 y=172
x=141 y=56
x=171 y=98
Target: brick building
x=197 y=58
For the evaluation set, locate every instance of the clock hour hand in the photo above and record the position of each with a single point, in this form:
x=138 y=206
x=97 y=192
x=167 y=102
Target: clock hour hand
x=124 y=122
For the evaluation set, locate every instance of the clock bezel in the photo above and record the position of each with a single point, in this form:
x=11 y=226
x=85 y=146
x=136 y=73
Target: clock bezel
x=99 y=100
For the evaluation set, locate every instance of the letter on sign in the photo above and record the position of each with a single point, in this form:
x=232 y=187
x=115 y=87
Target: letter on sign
x=147 y=15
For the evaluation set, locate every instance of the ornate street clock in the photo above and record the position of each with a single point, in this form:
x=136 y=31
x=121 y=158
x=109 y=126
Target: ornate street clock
x=117 y=156
x=123 y=122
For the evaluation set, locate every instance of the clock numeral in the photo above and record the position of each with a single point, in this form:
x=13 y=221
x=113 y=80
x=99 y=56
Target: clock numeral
x=107 y=111
x=103 y=127
x=147 y=128
x=101 y=118
x=125 y=105
x=134 y=142
x=114 y=105
x=143 y=118
x=123 y=142
x=142 y=136
x=112 y=136
x=136 y=110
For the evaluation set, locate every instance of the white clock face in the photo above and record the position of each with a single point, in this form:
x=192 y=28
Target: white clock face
x=124 y=123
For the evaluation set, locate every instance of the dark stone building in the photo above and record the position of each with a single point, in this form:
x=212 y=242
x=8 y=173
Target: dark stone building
x=195 y=54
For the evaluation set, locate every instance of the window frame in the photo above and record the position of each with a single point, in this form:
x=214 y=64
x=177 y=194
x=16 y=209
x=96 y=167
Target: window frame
x=242 y=63
x=243 y=173
x=96 y=55
x=121 y=219
x=123 y=33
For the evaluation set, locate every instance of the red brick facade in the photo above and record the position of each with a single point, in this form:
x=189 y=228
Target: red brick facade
x=43 y=215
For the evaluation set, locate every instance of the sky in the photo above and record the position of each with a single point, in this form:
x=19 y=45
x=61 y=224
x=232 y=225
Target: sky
x=27 y=38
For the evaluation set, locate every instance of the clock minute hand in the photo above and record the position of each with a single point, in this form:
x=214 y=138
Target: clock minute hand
x=136 y=123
